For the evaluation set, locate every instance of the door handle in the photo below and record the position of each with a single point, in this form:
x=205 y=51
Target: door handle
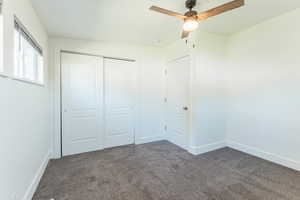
x=185 y=108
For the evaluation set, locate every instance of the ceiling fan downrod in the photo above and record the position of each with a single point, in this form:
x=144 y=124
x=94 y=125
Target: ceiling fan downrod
x=190 y=4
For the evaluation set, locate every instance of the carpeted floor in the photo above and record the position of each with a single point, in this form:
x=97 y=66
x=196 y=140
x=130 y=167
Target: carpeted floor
x=163 y=171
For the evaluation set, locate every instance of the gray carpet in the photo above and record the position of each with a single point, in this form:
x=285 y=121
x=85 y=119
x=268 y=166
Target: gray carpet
x=163 y=171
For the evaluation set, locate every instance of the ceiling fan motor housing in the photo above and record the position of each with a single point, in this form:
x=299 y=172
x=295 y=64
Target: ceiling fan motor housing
x=190 y=4
x=191 y=14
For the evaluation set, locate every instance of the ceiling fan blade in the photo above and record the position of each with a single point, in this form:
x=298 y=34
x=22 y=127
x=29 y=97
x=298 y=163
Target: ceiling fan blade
x=167 y=12
x=221 y=9
x=184 y=34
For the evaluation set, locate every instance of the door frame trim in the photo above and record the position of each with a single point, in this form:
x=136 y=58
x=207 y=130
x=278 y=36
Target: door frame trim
x=88 y=54
x=192 y=69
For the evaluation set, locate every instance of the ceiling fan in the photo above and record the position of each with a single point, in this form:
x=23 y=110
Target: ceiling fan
x=191 y=18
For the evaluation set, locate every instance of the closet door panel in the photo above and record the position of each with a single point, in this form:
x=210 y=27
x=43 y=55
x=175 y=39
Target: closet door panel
x=82 y=103
x=120 y=101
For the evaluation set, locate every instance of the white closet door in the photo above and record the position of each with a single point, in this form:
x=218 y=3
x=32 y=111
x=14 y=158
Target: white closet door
x=120 y=101
x=82 y=103
x=178 y=98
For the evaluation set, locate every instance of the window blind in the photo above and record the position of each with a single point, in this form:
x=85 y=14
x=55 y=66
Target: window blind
x=23 y=31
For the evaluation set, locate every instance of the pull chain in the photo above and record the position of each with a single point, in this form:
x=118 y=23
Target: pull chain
x=186 y=42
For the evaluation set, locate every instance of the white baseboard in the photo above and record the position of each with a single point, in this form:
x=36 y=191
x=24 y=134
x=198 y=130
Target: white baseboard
x=196 y=150
x=35 y=182
x=287 y=162
x=149 y=139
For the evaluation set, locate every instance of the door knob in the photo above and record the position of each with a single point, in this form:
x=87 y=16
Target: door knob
x=185 y=108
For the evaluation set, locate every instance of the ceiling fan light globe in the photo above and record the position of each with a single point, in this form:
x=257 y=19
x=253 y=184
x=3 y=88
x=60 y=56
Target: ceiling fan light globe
x=190 y=25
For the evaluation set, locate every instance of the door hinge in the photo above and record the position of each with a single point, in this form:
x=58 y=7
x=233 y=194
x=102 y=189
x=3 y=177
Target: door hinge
x=166 y=72
x=166 y=127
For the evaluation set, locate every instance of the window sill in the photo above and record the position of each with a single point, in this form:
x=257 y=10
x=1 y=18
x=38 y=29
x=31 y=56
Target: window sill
x=28 y=81
x=3 y=75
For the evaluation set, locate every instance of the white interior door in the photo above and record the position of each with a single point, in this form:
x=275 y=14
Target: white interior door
x=120 y=101
x=178 y=100
x=82 y=103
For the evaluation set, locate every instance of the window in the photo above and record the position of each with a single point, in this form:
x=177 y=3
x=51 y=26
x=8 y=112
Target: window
x=28 y=55
x=1 y=38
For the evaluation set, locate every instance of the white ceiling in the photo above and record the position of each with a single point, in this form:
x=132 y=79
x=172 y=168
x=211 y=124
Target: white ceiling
x=131 y=21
